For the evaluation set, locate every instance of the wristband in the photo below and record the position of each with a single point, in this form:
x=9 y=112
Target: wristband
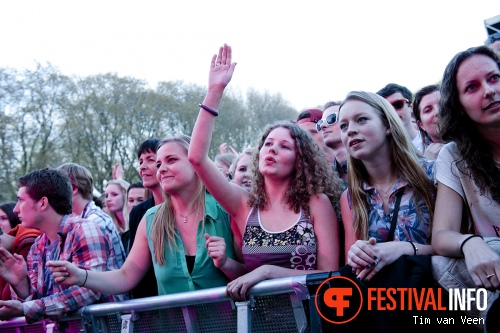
x=214 y=112
x=86 y=276
x=415 y=248
x=466 y=240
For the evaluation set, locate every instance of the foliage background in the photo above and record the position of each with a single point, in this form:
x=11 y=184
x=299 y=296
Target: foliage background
x=48 y=118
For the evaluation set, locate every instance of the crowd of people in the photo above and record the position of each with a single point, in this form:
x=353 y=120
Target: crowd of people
x=359 y=184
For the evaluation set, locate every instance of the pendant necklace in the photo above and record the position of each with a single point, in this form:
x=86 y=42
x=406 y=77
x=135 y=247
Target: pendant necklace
x=185 y=217
x=385 y=193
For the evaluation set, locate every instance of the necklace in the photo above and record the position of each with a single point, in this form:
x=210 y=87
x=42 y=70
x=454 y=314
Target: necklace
x=185 y=217
x=386 y=194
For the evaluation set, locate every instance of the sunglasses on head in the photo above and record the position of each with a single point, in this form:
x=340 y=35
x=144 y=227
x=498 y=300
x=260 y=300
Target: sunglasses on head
x=330 y=120
x=493 y=38
x=400 y=103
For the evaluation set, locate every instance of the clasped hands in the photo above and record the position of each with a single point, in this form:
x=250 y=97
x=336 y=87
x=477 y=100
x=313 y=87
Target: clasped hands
x=365 y=259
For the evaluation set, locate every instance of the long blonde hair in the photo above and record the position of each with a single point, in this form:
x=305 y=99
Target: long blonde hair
x=163 y=226
x=123 y=184
x=404 y=160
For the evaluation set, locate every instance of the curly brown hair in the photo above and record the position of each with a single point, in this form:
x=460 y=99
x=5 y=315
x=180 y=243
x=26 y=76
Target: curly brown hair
x=477 y=160
x=312 y=173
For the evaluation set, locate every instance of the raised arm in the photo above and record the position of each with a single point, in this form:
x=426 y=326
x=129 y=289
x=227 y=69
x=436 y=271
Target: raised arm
x=129 y=275
x=229 y=195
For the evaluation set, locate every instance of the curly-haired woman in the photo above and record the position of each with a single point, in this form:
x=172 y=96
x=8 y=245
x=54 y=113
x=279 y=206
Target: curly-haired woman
x=287 y=220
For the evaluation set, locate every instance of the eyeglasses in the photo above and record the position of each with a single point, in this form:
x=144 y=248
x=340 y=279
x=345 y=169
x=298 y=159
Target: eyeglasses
x=330 y=120
x=400 y=103
x=493 y=38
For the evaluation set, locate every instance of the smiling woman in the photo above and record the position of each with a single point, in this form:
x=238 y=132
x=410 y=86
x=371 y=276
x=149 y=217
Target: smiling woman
x=426 y=110
x=466 y=222
x=469 y=166
x=177 y=237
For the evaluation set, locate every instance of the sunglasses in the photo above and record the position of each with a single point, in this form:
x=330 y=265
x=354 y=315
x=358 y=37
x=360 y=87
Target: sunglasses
x=400 y=103
x=330 y=120
x=493 y=38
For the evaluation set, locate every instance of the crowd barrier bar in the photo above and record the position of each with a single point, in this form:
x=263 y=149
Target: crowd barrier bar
x=275 y=305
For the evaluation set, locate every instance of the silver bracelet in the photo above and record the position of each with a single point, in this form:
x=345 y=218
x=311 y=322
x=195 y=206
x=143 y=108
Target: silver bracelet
x=415 y=248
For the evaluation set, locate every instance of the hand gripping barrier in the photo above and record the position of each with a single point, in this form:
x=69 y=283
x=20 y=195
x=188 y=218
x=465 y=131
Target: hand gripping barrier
x=278 y=305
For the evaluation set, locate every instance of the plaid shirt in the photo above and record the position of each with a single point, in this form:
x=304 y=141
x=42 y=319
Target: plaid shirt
x=93 y=213
x=80 y=242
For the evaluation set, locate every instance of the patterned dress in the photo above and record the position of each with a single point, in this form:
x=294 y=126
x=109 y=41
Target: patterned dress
x=293 y=248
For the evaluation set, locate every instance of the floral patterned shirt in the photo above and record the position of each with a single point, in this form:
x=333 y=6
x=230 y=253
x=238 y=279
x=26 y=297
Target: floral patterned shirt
x=413 y=222
x=293 y=248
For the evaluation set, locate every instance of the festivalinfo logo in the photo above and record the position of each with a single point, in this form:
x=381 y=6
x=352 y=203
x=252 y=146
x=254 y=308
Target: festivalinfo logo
x=339 y=300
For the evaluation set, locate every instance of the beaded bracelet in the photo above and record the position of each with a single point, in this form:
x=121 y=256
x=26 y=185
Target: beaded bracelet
x=415 y=248
x=86 y=276
x=214 y=112
x=466 y=240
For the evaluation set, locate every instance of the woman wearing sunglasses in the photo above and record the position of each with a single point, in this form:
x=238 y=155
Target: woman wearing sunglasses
x=426 y=109
x=388 y=206
x=287 y=220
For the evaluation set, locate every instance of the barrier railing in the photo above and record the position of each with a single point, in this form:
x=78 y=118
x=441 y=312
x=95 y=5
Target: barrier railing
x=278 y=305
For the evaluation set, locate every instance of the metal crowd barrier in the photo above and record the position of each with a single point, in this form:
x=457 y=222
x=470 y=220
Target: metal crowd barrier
x=278 y=305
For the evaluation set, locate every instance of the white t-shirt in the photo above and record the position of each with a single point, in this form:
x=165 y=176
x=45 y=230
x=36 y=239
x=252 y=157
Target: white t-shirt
x=485 y=212
x=417 y=142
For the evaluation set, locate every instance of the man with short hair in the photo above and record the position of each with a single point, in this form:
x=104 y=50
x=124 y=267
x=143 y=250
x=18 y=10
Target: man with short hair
x=146 y=154
x=401 y=99
x=328 y=126
x=308 y=120
x=82 y=185
x=44 y=203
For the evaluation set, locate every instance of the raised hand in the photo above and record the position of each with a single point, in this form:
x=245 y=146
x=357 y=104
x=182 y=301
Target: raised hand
x=13 y=268
x=117 y=171
x=221 y=69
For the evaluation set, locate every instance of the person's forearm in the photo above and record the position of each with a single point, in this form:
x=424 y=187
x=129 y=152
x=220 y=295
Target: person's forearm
x=233 y=269
x=22 y=289
x=109 y=282
x=203 y=128
x=276 y=272
x=447 y=243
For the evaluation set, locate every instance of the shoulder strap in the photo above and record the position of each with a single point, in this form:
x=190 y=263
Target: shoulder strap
x=399 y=195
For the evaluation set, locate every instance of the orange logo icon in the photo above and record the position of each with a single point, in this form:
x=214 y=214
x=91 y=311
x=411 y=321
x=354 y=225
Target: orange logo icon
x=338 y=300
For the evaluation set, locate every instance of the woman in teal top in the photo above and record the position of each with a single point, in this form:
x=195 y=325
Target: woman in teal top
x=184 y=237
x=184 y=273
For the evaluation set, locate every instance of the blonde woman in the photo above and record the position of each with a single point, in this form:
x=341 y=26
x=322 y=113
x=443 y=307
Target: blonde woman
x=241 y=169
x=388 y=206
x=116 y=203
x=178 y=235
